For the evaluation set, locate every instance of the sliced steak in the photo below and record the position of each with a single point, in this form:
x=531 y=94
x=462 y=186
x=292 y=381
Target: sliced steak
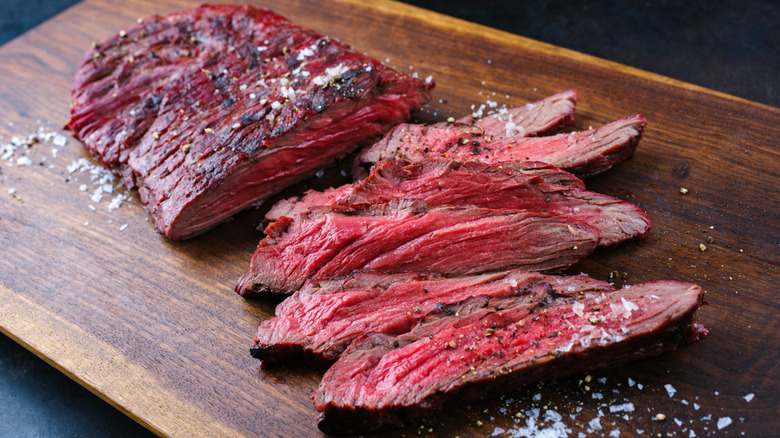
x=510 y=186
x=312 y=198
x=583 y=153
x=212 y=110
x=406 y=236
x=315 y=324
x=538 y=118
x=486 y=346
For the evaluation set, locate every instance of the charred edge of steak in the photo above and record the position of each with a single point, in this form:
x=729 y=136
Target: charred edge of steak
x=602 y=162
x=288 y=355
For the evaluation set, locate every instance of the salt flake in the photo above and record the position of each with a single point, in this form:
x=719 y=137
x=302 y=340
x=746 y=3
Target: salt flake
x=724 y=422
x=24 y=161
x=625 y=407
x=59 y=140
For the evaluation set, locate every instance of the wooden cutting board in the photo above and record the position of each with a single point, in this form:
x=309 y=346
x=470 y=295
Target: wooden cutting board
x=153 y=326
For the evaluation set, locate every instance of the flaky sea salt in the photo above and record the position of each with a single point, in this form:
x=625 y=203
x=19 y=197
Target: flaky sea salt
x=7 y=152
x=670 y=389
x=749 y=397
x=116 y=202
x=24 y=161
x=97 y=195
x=59 y=140
x=625 y=407
x=724 y=422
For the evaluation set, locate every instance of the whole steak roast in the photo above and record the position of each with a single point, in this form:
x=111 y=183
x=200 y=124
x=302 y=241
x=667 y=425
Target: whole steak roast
x=212 y=110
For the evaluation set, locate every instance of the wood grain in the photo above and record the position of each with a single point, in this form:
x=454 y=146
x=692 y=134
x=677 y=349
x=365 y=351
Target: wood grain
x=153 y=326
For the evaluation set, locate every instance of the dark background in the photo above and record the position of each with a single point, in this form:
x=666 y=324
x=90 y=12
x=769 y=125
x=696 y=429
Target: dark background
x=730 y=46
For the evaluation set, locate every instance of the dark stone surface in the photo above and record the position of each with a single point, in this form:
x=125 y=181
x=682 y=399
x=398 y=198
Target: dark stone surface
x=730 y=46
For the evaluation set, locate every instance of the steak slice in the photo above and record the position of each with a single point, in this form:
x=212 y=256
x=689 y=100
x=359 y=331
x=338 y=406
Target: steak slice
x=403 y=236
x=510 y=186
x=583 y=153
x=212 y=110
x=486 y=346
x=312 y=198
x=315 y=324
x=538 y=118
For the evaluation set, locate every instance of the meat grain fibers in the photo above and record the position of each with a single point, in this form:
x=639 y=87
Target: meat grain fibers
x=403 y=236
x=521 y=186
x=485 y=346
x=583 y=153
x=317 y=323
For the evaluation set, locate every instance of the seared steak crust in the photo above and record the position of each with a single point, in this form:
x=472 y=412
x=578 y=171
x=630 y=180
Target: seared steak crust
x=212 y=110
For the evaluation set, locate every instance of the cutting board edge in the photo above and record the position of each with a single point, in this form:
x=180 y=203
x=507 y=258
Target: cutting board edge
x=22 y=331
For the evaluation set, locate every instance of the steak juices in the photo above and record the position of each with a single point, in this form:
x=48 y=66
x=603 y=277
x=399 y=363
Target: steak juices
x=213 y=110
